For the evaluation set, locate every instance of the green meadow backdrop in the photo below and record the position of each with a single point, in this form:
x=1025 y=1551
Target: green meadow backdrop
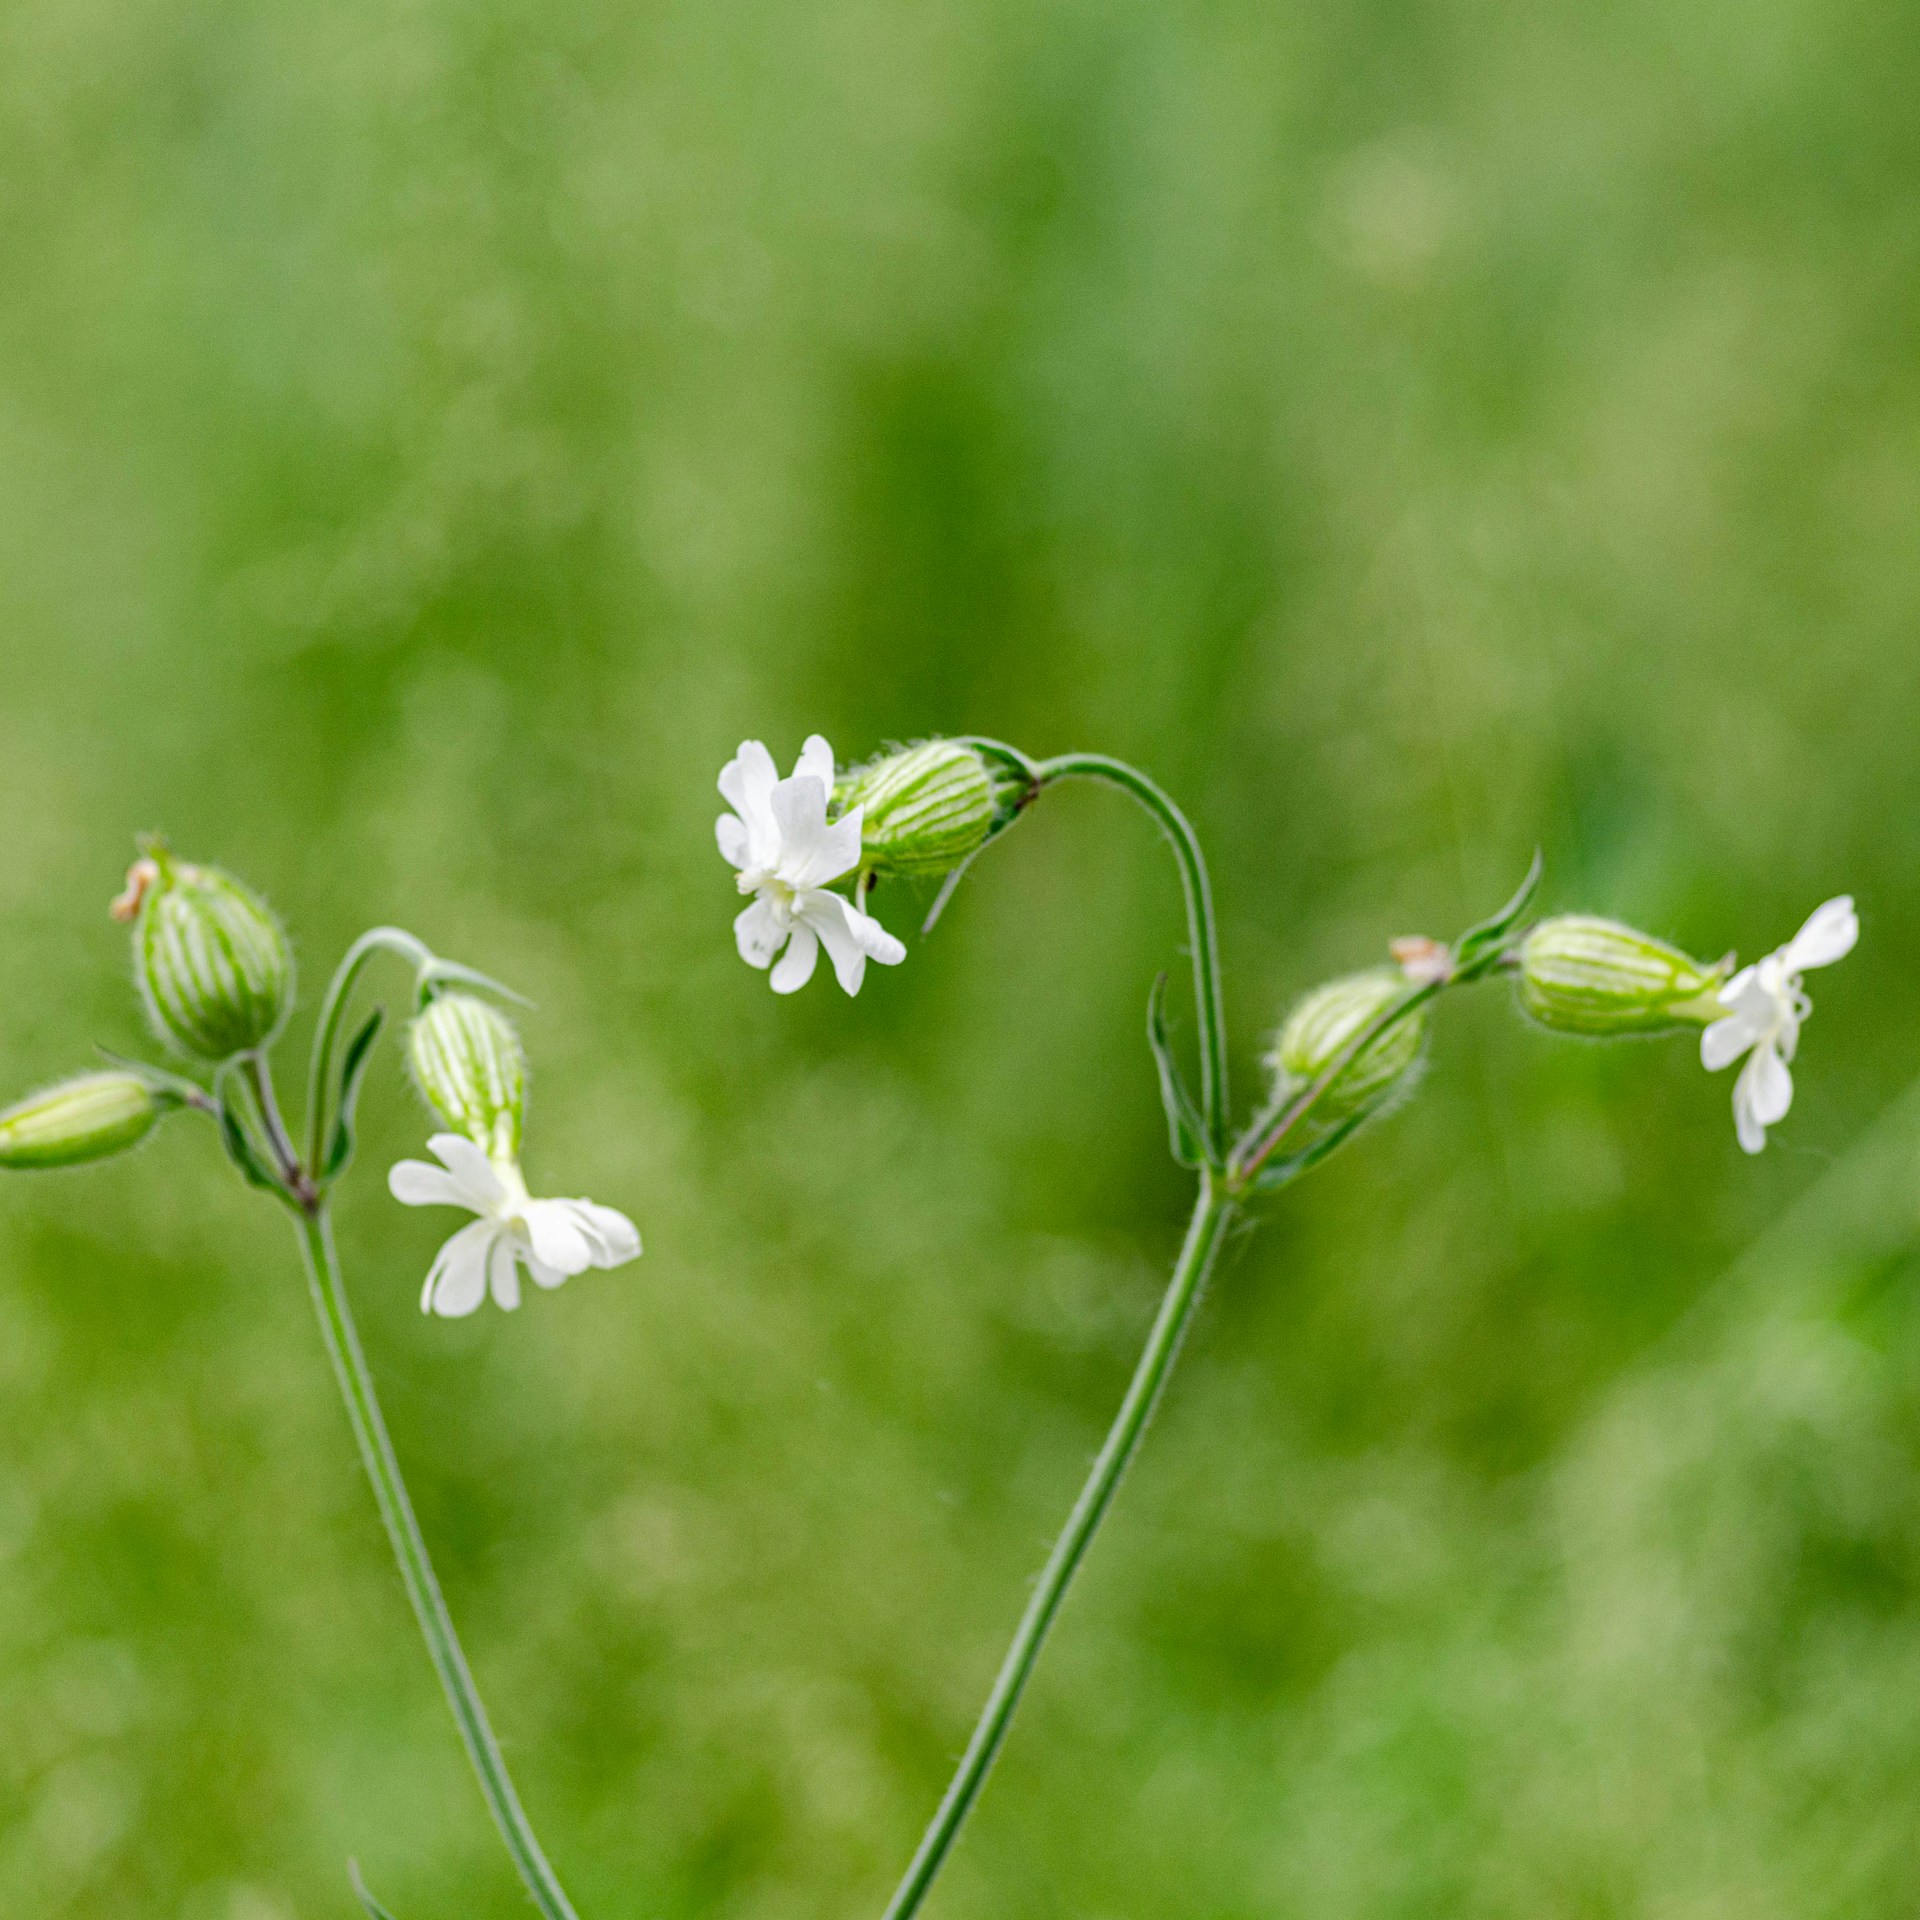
x=434 y=432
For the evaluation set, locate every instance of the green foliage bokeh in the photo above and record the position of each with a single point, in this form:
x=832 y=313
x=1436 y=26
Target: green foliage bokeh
x=433 y=435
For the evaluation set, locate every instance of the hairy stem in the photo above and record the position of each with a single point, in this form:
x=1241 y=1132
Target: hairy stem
x=1202 y=938
x=1211 y=1213
x=416 y=1567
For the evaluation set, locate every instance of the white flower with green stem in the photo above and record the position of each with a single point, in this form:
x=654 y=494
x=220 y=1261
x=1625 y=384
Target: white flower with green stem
x=1766 y=1007
x=787 y=854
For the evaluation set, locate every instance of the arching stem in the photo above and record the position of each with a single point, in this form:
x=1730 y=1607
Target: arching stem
x=1202 y=938
x=1213 y=1210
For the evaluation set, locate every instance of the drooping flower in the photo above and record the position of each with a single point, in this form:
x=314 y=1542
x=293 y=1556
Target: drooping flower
x=787 y=853
x=1766 y=1005
x=552 y=1239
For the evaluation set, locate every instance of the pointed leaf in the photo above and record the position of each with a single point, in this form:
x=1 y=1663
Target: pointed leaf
x=948 y=887
x=1283 y=1172
x=239 y=1144
x=375 y=1911
x=1186 y=1136
x=353 y=1071
x=1480 y=948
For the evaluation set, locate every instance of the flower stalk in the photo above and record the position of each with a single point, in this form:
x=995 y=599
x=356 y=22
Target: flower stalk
x=1212 y=1214
x=416 y=1565
x=214 y=969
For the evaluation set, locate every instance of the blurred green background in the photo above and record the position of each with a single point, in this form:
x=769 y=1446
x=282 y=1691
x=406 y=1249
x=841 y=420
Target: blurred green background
x=434 y=433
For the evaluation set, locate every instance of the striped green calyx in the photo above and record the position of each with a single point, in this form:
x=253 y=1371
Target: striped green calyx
x=470 y=1068
x=1324 y=1024
x=1582 y=974
x=88 y=1118
x=926 y=809
x=212 y=963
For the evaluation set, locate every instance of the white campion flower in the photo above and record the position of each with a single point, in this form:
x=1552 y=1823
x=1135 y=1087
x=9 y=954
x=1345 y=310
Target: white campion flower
x=1766 y=1005
x=780 y=840
x=552 y=1239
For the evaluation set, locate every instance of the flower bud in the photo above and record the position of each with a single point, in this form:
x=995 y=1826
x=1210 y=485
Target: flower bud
x=212 y=963
x=1582 y=974
x=927 y=808
x=84 y=1119
x=469 y=1065
x=1323 y=1025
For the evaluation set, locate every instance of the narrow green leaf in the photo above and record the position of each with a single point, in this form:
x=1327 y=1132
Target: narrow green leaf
x=1186 y=1136
x=239 y=1143
x=240 y=1148
x=1480 y=948
x=353 y=1071
x=1284 y=1171
x=375 y=1910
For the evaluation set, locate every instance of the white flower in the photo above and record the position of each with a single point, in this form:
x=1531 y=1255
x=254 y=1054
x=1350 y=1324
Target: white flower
x=779 y=838
x=1767 y=1006
x=553 y=1239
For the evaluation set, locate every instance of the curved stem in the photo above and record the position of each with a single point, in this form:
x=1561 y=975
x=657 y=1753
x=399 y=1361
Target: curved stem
x=1201 y=935
x=416 y=1567
x=1210 y=1216
x=333 y=1013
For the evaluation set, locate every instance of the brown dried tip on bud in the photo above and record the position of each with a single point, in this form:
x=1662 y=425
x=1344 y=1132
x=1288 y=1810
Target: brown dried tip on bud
x=140 y=878
x=1424 y=961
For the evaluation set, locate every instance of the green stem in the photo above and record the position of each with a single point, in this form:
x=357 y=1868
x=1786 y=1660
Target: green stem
x=416 y=1568
x=1202 y=938
x=333 y=1012
x=1211 y=1214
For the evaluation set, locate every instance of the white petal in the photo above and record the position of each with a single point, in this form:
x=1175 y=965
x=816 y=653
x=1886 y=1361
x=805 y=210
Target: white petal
x=613 y=1237
x=414 y=1183
x=816 y=761
x=831 y=916
x=457 y=1280
x=1761 y=1095
x=796 y=966
x=878 y=942
x=1726 y=1040
x=800 y=812
x=470 y=1166
x=1745 y=989
x=1829 y=935
x=557 y=1240
x=1769 y=1086
x=731 y=833
x=543 y=1275
x=833 y=851
x=747 y=779
x=503 y=1274
x=759 y=932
